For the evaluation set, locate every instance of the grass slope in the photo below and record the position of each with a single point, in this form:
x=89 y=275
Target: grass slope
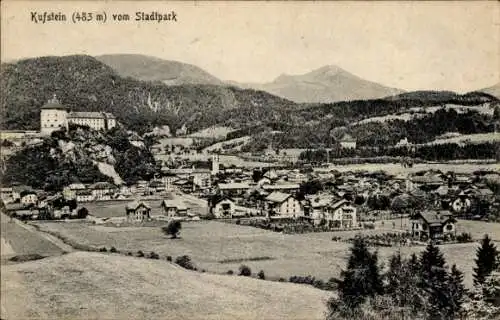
x=99 y=286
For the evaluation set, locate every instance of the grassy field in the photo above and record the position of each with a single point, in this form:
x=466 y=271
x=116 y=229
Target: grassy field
x=86 y=285
x=17 y=240
x=219 y=247
x=108 y=209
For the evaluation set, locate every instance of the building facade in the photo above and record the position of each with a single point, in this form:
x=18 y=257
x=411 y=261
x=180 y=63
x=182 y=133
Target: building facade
x=54 y=116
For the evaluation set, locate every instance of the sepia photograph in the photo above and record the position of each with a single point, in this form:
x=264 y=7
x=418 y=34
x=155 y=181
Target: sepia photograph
x=250 y=160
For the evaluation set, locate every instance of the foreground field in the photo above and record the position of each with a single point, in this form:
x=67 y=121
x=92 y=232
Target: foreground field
x=219 y=247
x=16 y=239
x=86 y=285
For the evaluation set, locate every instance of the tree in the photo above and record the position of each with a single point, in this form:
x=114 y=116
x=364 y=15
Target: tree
x=362 y=278
x=185 y=262
x=261 y=275
x=245 y=271
x=394 y=275
x=172 y=229
x=486 y=261
x=434 y=281
x=456 y=292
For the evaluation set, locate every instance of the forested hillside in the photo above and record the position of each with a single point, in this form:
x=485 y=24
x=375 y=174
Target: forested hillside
x=82 y=83
x=72 y=156
x=85 y=84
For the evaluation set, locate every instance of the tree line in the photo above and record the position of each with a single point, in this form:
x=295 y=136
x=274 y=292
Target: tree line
x=419 y=287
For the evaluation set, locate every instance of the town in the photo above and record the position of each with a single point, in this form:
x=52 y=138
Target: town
x=403 y=207
x=341 y=162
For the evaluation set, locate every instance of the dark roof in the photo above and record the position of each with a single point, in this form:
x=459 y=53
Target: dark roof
x=134 y=205
x=54 y=104
x=435 y=218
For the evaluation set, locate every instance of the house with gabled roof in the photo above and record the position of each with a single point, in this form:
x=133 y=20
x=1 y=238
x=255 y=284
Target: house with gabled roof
x=174 y=208
x=138 y=211
x=429 y=224
x=341 y=214
x=283 y=204
x=224 y=208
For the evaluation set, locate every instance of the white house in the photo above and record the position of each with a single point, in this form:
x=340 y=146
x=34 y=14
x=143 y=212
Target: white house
x=461 y=204
x=348 y=142
x=283 y=204
x=103 y=191
x=432 y=224
x=224 y=208
x=341 y=214
x=29 y=197
x=84 y=196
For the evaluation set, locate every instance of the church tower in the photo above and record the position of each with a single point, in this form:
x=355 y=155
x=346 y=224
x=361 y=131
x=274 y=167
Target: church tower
x=215 y=164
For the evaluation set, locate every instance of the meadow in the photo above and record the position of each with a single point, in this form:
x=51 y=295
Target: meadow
x=218 y=247
x=89 y=285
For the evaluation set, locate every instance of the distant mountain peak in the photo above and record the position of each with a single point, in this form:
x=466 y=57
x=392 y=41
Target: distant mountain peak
x=326 y=84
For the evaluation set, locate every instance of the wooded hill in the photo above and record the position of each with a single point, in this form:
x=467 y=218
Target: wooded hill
x=85 y=84
x=82 y=83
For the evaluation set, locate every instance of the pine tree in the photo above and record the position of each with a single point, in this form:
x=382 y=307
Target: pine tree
x=456 y=292
x=413 y=264
x=362 y=278
x=394 y=274
x=486 y=261
x=434 y=281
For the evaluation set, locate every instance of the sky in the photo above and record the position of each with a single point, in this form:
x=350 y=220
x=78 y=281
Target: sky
x=407 y=45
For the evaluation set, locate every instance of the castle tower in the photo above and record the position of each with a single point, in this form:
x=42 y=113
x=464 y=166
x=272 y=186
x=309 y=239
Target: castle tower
x=53 y=116
x=215 y=164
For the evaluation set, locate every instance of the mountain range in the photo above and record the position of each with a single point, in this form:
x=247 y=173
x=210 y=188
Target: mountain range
x=146 y=68
x=493 y=90
x=84 y=83
x=323 y=85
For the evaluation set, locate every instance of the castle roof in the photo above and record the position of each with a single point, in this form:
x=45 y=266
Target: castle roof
x=90 y=115
x=54 y=104
x=347 y=138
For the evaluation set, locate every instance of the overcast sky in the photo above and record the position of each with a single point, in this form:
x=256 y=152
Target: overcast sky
x=408 y=45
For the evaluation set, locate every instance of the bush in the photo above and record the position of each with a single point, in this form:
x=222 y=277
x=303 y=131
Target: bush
x=281 y=280
x=230 y=272
x=129 y=253
x=113 y=249
x=261 y=275
x=245 y=271
x=169 y=258
x=103 y=249
x=185 y=262
x=172 y=229
x=464 y=237
x=140 y=253
x=154 y=255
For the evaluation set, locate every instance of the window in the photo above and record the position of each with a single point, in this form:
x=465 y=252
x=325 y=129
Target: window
x=449 y=227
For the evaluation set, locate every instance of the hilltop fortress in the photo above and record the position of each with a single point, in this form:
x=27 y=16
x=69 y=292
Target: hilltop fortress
x=54 y=116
